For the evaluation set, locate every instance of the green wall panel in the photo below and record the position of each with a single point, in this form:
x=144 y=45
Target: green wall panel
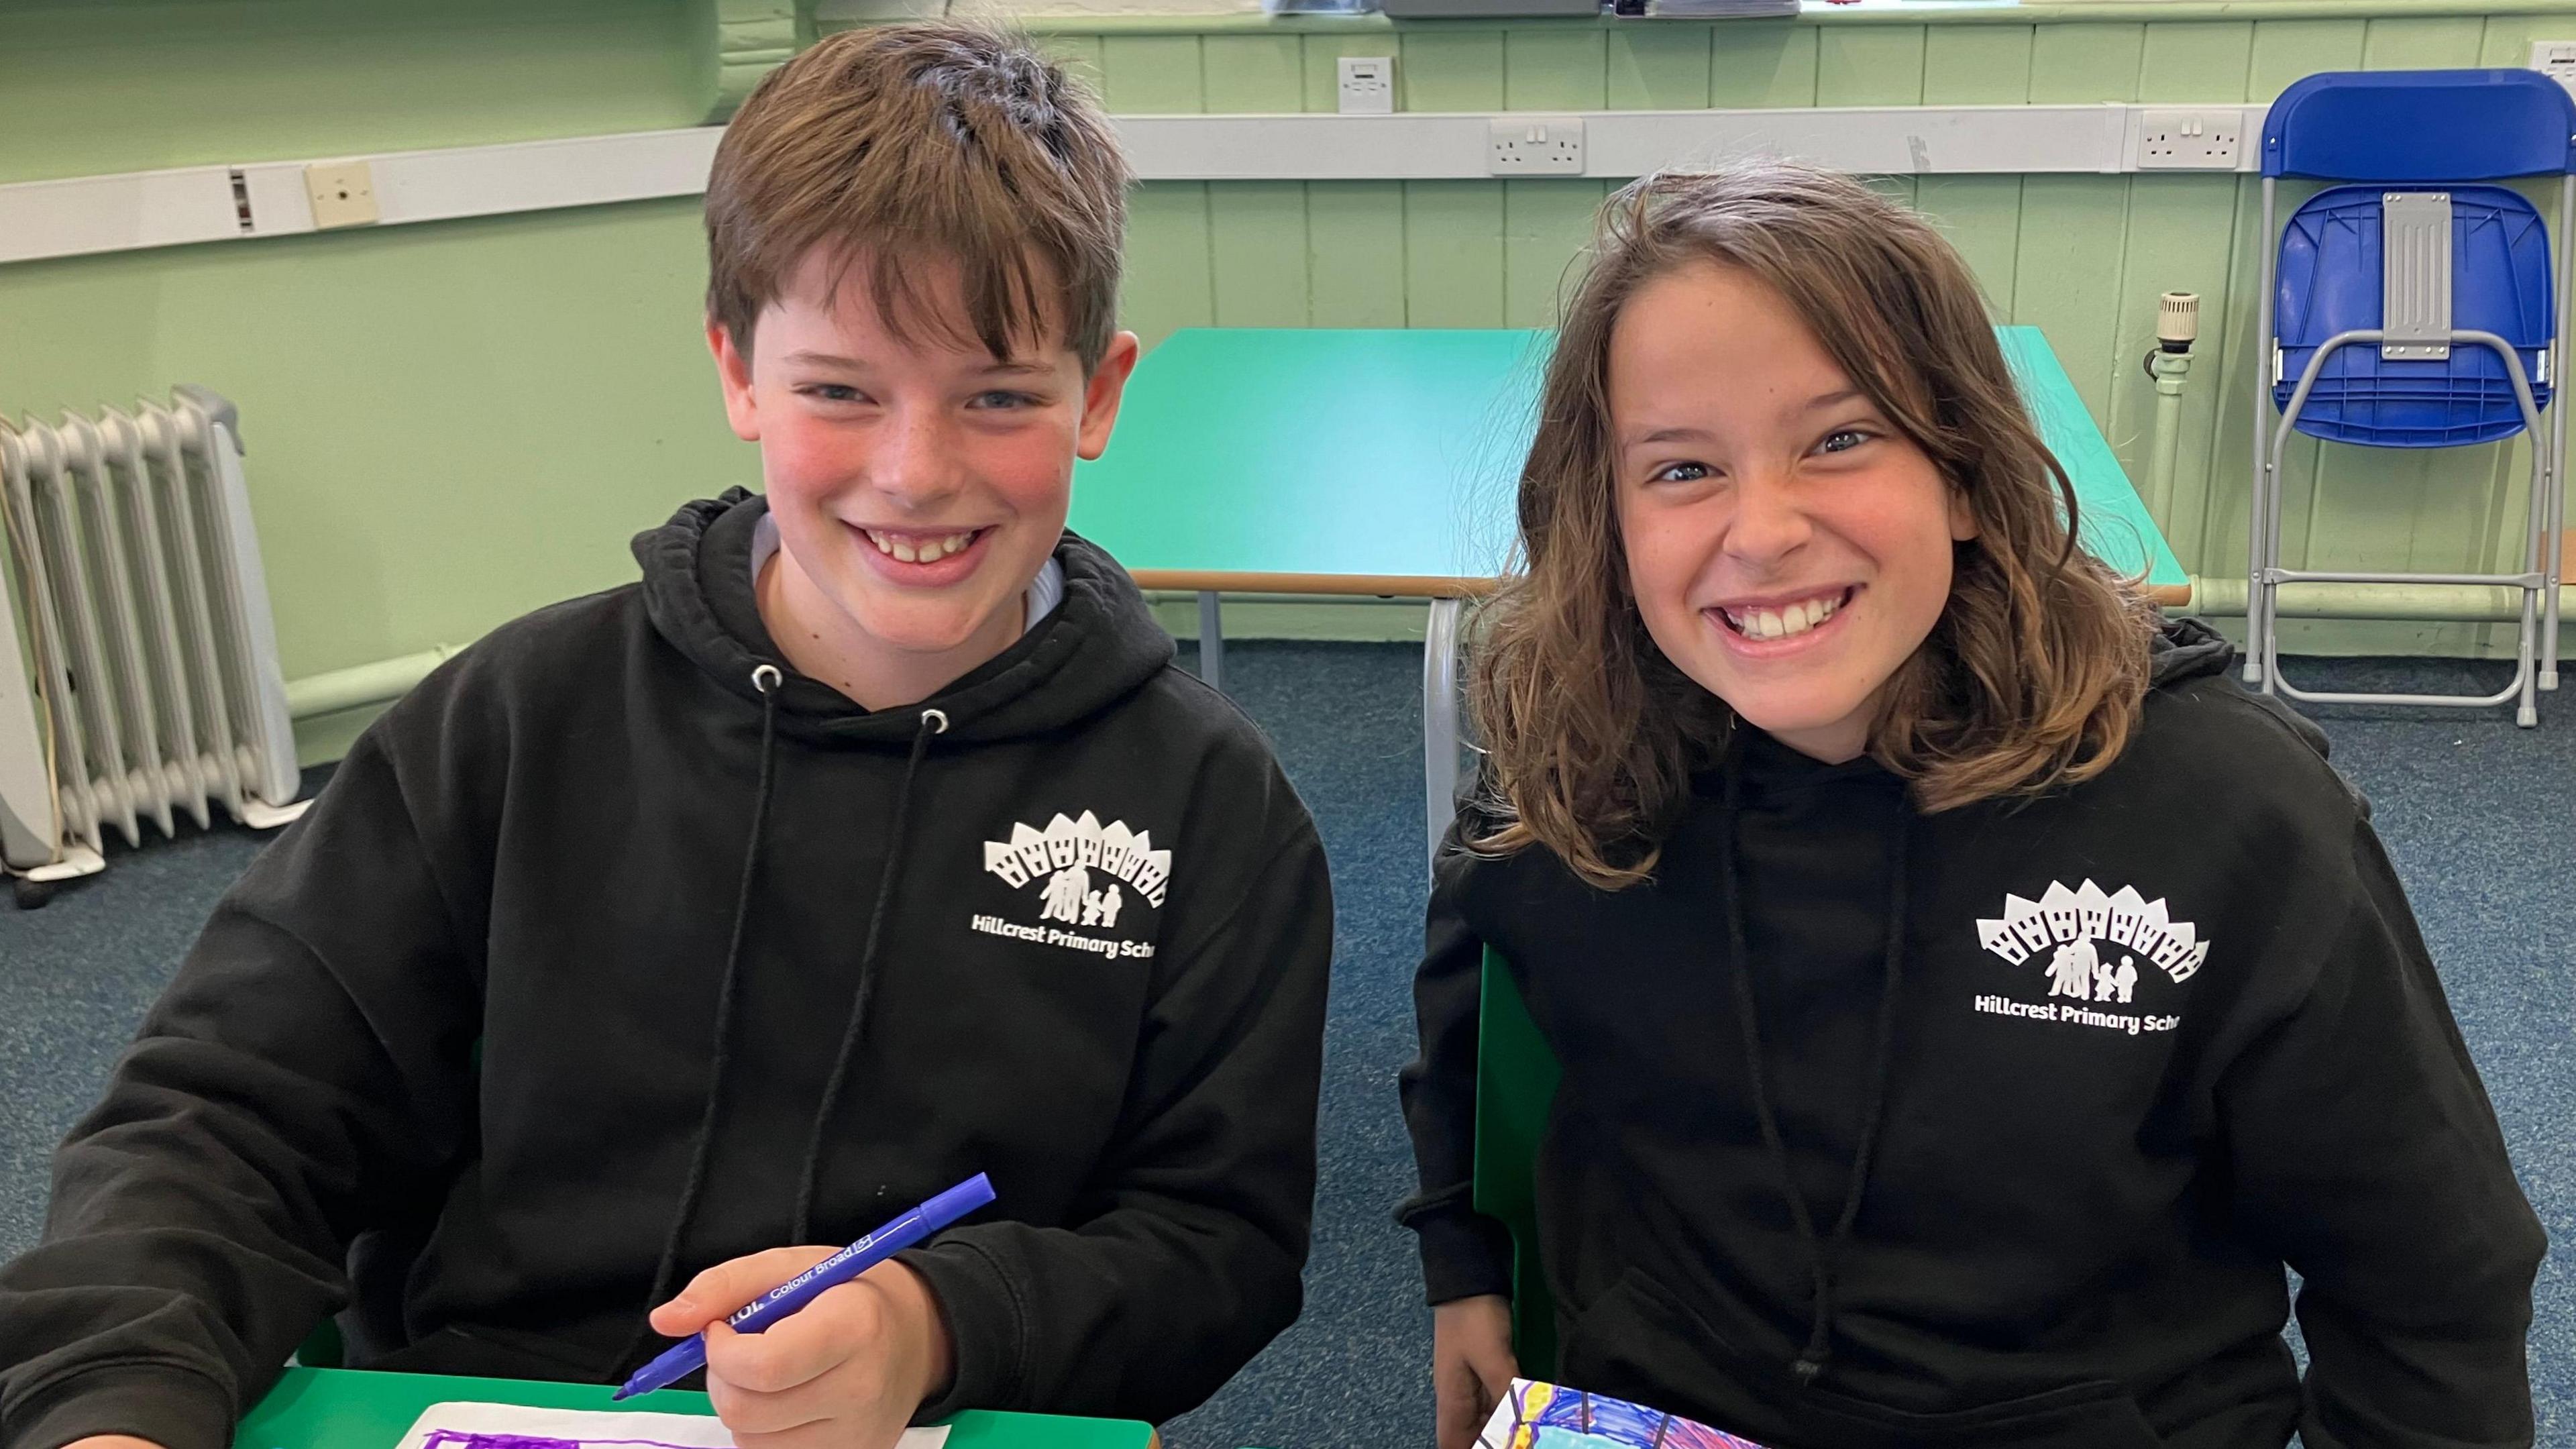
x=2076 y=63
x=1453 y=254
x=1450 y=70
x=1257 y=238
x=2284 y=50
x=1981 y=215
x=1763 y=63
x=1169 y=283
x=1880 y=65
x=1355 y=253
x=1985 y=65
x=1147 y=75
x=1657 y=69
x=1260 y=73
x=1545 y=222
x=91 y=86
x=2195 y=62
x=1555 y=70
x=2423 y=42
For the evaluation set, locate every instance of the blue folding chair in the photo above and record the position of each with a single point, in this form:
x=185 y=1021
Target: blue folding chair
x=2415 y=307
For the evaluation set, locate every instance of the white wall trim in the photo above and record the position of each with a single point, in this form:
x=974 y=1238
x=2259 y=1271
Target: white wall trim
x=81 y=216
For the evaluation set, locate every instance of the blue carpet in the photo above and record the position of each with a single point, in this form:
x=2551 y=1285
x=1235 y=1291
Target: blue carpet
x=2480 y=817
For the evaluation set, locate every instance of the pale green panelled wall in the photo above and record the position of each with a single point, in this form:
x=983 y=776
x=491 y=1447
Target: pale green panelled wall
x=451 y=424
x=447 y=425
x=2082 y=257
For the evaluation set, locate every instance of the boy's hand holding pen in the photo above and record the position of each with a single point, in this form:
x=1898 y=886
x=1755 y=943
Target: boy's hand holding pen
x=817 y=1348
x=848 y=1371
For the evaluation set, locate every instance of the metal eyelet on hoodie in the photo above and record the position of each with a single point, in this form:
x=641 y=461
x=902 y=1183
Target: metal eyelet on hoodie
x=767 y=678
x=936 y=720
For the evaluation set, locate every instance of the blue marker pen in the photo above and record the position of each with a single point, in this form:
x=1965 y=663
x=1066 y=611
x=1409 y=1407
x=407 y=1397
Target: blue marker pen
x=690 y=1354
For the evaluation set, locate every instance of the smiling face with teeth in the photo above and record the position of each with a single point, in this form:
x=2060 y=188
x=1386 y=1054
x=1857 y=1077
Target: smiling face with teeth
x=1788 y=548
x=919 y=482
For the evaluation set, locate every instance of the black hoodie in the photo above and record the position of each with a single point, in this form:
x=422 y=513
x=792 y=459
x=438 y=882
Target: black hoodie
x=596 y=965
x=2056 y=1087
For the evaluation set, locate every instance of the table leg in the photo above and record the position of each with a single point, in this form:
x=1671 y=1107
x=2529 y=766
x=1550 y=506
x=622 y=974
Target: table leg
x=1211 y=641
x=1440 y=719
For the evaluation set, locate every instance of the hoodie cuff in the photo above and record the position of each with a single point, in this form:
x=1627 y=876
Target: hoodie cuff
x=175 y=1408
x=1464 y=1254
x=986 y=1336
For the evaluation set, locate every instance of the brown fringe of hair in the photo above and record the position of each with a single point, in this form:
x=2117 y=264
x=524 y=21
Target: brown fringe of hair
x=909 y=145
x=2032 y=679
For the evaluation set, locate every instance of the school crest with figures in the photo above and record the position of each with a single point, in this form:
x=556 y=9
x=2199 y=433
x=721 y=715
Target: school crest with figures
x=2094 y=948
x=1090 y=878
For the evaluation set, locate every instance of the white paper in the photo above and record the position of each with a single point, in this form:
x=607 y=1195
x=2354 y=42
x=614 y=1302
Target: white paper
x=520 y=1426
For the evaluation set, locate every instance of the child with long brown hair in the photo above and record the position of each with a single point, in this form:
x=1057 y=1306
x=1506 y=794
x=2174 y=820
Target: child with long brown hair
x=1969 y=1001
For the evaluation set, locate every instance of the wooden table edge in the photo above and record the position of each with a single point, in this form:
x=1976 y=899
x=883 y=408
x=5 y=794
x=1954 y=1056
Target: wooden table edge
x=1409 y=586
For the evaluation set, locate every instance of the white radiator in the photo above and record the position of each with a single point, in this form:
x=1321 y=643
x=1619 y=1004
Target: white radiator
x=138 y=660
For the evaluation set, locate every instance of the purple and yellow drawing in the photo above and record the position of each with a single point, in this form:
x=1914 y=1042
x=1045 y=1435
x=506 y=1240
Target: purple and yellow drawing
x=1544 y=1416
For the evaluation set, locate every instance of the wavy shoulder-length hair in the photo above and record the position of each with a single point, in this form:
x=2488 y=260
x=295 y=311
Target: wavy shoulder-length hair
x=2032 y=678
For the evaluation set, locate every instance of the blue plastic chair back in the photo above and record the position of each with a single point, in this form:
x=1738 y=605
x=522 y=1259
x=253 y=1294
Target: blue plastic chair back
x=2329 y=281
x=2405 y=126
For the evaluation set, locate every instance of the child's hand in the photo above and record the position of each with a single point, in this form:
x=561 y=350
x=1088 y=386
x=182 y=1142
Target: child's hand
x=1471 y=1365
x=846 y=1371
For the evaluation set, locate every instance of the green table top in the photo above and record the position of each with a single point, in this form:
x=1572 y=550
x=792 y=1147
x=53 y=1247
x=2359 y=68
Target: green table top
x=1394 y=452
x=351 y=1409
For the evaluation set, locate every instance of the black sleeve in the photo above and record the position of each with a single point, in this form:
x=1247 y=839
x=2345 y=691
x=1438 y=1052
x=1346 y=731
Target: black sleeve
x=1464 y=1253
x=307 y=1064
x=1191 y=1262
x=2367 y=1155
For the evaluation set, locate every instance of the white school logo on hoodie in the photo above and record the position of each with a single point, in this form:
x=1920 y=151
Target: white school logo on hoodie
x=2094 y=947
x=1088 y=875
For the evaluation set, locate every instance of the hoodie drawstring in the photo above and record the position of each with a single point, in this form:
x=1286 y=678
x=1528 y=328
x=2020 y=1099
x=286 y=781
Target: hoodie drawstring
x=1819 y=1349
x=766 y=679
x=933 y=722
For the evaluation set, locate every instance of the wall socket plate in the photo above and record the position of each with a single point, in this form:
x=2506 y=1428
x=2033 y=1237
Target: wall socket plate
x=2190 y=140
x=1534 y=146
x=1367 y=85
x=343 y=192
x=2555 y=59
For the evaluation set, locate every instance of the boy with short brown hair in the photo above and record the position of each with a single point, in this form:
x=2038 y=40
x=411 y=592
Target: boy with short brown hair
x=870 y=842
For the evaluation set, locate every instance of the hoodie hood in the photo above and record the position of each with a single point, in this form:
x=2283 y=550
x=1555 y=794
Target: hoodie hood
x=2186 y=649
x=1097 y=647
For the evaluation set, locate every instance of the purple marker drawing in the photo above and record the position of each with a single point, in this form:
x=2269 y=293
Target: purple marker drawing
x=451 y=1439
x=469 y=1425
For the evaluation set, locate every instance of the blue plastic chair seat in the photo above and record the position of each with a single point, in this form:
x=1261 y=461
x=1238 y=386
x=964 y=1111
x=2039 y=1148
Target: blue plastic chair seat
x=2329 y=281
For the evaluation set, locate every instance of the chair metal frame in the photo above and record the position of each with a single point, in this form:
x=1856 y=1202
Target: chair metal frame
x=2536 y=652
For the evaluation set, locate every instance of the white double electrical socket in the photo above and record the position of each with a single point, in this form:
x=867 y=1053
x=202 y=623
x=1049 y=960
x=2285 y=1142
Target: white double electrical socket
x=1367 y=85
x=1534 y=146
x=2190 y=140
